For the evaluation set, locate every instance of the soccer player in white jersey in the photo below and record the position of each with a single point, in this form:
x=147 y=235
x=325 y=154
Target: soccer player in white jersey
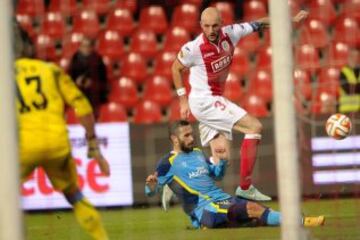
x=209 y=57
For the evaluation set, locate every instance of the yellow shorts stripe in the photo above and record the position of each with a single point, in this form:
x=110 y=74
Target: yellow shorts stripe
x=218 y=209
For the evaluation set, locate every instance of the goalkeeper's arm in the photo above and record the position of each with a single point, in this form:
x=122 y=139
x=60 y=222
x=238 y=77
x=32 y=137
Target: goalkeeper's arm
x=76 y=99
x=88 y=122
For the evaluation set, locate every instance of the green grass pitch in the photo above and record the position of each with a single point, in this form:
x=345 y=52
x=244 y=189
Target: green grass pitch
x=342 y=222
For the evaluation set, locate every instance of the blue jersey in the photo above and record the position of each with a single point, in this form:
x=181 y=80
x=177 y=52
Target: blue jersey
x=191 y=176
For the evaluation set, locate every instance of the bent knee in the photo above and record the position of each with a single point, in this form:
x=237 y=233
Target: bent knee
x=219 y=147
x=257 y=126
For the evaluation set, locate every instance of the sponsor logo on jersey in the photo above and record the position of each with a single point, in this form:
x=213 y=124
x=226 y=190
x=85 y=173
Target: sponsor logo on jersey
x=209 y=54
x=221 y=63
x=198 y=172
x=225 y=46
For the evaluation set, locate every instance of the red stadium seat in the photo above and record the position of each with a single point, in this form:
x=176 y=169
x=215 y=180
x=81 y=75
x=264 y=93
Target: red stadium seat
x=233 y=89
x=175 y=38
x=64 y=63
x=347 y=31
x=124 y=91
x=186 y=16
x=337 y=54
x=45 y=47
x=227 y=12
x=121 y=20
x=307 y=57
x=87 y=22
x=143 y=41
x=329 y=81
x=240 y=64
x=128 y=4
x=70 y=116
x=158 y=89
x=294 y=6
x=163 y=64
x=254 y=105
x=323 y=10
x=66 y=7
x=351 y=8
x=101 y=7
x=194 y=2
x=54 y=25
x=254 y=10
x=313 y=32
x=112 y=112
x=26 y=24
x=261 y=84
x=153 y=18
x=71 y=44
x=250 y=43
x=147 y=112
x=175 y=112
x=34 y=8
x=323 y=102
x=302 y=84
x=263 y=58
x=134 y=67
x=110 y=44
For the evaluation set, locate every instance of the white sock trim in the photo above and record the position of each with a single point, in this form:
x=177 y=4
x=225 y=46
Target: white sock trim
x=252 y=136
x=211 y=159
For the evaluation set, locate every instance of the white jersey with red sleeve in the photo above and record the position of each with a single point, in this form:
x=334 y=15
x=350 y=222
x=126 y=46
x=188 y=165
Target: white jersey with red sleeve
x=210 y=63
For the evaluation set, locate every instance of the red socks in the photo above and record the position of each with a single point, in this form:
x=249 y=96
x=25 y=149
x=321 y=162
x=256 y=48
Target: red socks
x=247 y=158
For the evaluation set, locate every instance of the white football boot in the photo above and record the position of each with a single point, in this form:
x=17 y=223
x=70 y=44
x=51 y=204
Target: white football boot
x=251 y=194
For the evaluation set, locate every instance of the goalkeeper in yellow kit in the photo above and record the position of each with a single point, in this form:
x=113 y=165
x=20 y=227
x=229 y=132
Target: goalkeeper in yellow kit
x=43 y=89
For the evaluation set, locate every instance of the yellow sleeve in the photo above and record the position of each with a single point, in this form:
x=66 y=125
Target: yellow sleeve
x=71 y=93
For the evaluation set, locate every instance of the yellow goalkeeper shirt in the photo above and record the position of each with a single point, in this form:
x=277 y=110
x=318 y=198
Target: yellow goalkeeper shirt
x=43 y=89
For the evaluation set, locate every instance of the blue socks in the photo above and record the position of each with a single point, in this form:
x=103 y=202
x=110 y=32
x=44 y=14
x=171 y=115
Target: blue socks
x=271 y=218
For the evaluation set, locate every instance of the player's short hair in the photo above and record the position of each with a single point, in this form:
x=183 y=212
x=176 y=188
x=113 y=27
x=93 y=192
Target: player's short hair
x=23 y=46
x=174 y=127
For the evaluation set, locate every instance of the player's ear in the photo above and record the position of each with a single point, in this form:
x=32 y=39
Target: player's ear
x=174 y=139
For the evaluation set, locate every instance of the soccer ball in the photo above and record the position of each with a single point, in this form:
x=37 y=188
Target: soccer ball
x=338 y=126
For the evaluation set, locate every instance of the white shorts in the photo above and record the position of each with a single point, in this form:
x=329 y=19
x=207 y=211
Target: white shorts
x=216 y=114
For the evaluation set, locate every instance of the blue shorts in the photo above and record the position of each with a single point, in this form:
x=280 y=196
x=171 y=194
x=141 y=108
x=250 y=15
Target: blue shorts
x=215 y=214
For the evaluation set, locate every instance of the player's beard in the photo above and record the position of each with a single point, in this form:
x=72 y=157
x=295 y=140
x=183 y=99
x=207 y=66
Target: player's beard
x=187 y=148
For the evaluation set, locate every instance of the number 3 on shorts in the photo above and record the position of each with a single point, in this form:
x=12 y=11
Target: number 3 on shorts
x=220 y=105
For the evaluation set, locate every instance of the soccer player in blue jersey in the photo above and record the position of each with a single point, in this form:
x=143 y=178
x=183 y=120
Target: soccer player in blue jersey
x=192 y=178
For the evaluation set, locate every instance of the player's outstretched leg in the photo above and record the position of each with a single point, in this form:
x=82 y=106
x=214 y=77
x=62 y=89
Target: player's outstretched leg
x=87 y=216
x=252 y=129
x=242 y=210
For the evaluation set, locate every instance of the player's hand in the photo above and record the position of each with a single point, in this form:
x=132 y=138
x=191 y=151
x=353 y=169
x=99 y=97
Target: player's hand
x=300 y=16
x=94 y=152
x=151 y=180
x=184 y=108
